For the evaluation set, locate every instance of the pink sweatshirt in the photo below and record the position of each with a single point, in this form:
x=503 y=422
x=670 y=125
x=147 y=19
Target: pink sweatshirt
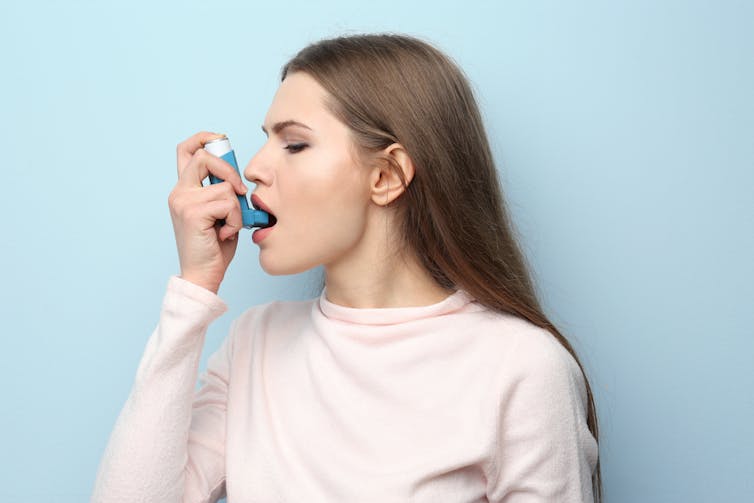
x=316 y=402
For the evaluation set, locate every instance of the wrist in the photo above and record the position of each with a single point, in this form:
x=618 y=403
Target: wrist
x=202 y=282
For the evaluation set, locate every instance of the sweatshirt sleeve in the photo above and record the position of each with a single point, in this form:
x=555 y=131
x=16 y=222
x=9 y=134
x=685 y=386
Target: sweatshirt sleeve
x=543 y=449
x=168 y=442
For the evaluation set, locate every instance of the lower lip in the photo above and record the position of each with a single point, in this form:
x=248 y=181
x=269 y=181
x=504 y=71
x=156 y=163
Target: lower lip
x=260 y=234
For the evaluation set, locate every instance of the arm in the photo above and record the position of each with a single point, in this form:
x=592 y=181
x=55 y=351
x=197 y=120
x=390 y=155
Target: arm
x=544 y=451
x=168 y=444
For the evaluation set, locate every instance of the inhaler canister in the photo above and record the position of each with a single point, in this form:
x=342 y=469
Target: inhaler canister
x=221 y=148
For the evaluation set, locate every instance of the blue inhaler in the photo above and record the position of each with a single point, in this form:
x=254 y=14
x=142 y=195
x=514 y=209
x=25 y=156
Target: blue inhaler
x=251 y=218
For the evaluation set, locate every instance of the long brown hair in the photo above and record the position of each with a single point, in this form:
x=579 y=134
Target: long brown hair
x=398 y=89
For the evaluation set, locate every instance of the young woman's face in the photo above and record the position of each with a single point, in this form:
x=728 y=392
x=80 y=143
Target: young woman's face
x=308 y=178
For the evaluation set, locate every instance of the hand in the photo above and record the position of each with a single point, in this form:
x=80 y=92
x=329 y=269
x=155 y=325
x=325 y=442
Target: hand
x=204 y=248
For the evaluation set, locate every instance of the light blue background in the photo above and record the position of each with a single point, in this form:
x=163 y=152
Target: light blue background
x=624 y=135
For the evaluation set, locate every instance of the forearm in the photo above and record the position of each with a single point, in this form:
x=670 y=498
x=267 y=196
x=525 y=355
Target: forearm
x=146 y=456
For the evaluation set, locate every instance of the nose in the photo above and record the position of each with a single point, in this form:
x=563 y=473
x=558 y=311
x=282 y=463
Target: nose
x=259 y=169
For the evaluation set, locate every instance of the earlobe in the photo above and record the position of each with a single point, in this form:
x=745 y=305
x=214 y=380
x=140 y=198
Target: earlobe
x=392 y=175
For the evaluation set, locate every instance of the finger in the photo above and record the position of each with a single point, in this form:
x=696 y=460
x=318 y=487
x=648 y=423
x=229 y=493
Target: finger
x=230 y=211
x=203 y=163
x=192 y=203
x=233 y=224
x=185 y=150
x=214 y=192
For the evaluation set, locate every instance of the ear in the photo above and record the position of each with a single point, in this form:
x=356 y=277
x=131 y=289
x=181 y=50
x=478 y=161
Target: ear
x=385 y=183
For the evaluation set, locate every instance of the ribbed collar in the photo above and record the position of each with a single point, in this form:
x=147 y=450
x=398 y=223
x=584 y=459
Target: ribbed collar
x=392 y=315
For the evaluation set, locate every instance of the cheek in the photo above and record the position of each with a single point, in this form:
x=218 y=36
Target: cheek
x=329 y=188
x=325 y=211
x=332 y=210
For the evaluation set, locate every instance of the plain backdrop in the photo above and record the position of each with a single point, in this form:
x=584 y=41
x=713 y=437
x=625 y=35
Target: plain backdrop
x=623 y=133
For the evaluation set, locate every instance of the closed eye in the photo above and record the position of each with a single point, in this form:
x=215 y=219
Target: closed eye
x=295 y=148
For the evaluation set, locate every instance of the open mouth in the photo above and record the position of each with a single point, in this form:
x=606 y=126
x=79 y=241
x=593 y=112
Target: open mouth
x=258 y=205
x=272 y=222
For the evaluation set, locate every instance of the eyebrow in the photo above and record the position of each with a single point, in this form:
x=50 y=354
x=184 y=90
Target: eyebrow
x=276 y=128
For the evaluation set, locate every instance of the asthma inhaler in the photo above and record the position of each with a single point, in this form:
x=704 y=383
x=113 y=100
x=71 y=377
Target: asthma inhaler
x=251 y=218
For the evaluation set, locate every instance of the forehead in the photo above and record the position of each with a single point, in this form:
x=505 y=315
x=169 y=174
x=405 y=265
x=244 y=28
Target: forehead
x=300 y=98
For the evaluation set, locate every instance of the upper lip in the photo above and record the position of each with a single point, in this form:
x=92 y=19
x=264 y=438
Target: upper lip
x=258 y=204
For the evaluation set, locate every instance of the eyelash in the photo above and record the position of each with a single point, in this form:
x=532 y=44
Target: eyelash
x=295 y=148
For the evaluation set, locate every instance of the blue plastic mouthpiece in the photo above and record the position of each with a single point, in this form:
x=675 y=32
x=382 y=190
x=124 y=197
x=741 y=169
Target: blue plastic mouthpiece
x=251 y=217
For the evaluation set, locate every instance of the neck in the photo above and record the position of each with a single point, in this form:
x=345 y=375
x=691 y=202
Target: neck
x=373 y=275
x=397 y=283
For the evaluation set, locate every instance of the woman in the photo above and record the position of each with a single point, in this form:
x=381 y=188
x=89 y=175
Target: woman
x=425 y=371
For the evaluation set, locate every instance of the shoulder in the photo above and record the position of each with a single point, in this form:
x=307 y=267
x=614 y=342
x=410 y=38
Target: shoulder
x=530 y=355
x=541 y=438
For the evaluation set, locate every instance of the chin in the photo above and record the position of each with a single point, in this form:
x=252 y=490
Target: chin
x=279 y=266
